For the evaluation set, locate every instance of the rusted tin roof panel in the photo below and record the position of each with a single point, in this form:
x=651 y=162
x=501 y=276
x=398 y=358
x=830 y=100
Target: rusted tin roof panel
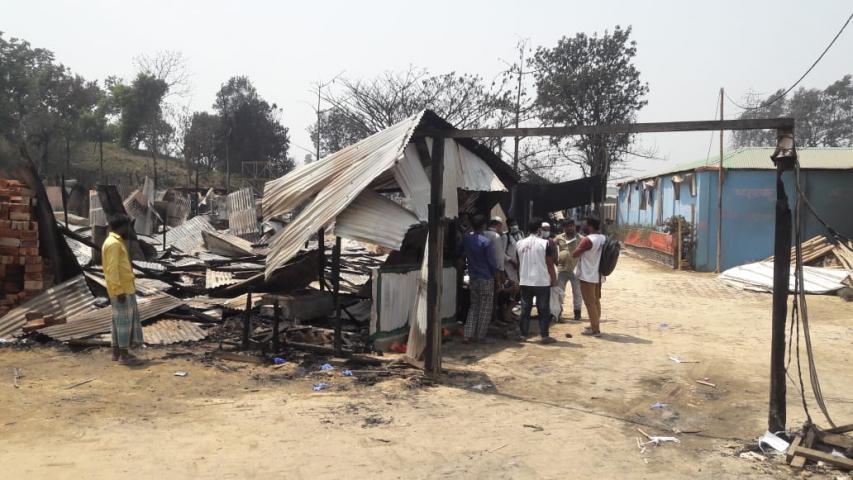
x=187 y=237
x=98 y=321
x=67 y=299
x=169 y=331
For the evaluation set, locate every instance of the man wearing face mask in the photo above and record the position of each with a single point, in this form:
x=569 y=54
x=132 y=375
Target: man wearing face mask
x=567 y=242
x=118 y=273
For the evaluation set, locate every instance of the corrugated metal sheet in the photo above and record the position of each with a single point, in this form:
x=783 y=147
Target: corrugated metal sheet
x=336 y=180
x=54 y=196
x=187 y=237
x=168 y=332
x=242 y=214
x=71 y=297
x=138 y=208
x=178 y=209
x=214 y=278
x=226 y=244
x=395 y=294
x=81 y=251
x=98 y=321
x=476 y=174
x=144 y=286
x=758 y=158
x=96 y=213
x=373 y=218
x=413 y=181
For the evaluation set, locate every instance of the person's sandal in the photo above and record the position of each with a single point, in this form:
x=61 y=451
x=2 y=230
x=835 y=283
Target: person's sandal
x=589 y=333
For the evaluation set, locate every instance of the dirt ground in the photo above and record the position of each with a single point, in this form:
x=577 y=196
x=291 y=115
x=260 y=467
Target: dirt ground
x=505 y=410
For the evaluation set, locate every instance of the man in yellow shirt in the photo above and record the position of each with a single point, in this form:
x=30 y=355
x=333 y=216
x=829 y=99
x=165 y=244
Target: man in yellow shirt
x=118 y=273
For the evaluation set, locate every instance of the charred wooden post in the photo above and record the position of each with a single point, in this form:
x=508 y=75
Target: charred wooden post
x=784 y=157
x=64 y=202
x=276 y=323
x=247 y=322
x=321 y=249
x=432 y=358
x=336 y=297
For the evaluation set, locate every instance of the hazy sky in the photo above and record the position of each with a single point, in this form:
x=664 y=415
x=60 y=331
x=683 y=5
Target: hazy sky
x=687 y=50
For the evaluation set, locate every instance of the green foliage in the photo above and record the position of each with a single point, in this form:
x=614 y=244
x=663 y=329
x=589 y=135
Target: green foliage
x=140 y=106
x=824 y=117
x=591 y=80
x=250 y=126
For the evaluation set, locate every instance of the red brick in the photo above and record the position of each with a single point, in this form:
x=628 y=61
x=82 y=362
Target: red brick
x=10 y=242
x=33 y=315
x=20 y=216
x=34 y=260
x=33 y=326
x=5 y=224
x=30 y=244
x=33 y=276
x=29 y=251
x=9 y=251
x=34 y=267
x=28 y=235
x=9 y=233
x=33 y=284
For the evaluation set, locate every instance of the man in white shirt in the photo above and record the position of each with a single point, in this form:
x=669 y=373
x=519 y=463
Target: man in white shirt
x=536 y=277
x=588 y=254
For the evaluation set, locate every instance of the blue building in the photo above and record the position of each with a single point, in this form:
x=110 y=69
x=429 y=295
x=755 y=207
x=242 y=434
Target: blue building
x=749 y=197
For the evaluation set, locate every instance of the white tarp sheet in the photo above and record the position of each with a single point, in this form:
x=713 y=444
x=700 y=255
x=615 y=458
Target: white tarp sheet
x=759 y=276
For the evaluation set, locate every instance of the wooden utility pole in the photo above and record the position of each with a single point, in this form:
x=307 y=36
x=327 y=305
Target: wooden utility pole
x=784 y=158
x=720 y=191
x=432 y=358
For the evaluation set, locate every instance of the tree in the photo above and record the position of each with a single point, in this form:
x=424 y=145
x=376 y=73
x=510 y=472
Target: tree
x=251 y=129
x=140 y=106
x=169 y=66
x=591 y=80
x=77 y=99
x=29 y=97
x=96 y=124
x=824 y=117
x=360 y=108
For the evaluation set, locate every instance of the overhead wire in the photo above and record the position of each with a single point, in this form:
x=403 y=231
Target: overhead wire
x=782 y=95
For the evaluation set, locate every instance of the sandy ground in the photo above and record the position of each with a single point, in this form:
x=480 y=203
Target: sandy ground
x=503 y=411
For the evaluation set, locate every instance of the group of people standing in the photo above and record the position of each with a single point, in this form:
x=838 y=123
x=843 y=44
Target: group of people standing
x=531 y=268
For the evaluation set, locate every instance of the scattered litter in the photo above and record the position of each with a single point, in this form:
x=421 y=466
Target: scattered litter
x=2 y=342
x=664 y=325
x=181 y=373
x=753 y=456
x=706 y=383
x=16 y=373
x=278 y=360
x=836 y=453
x=480 y=387
x=677 y=359
x=658 y=405
x=320 y=386
x=658 y=440
x=497 y=448
x=535 y=428
x=772 y=440
x=346 y=373
x=326 y=367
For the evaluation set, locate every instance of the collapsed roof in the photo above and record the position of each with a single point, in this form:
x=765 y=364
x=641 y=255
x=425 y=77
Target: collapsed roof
x=341 y=188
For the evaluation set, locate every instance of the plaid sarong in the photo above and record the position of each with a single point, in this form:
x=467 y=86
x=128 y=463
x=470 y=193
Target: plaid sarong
x=126 y=327
x=480 y=311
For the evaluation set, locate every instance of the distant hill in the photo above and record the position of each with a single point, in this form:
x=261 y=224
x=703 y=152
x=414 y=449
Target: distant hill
x=121 y=166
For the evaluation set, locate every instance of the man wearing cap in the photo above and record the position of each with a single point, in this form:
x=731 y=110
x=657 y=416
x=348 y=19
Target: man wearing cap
x=118 y=273
x=567 y=242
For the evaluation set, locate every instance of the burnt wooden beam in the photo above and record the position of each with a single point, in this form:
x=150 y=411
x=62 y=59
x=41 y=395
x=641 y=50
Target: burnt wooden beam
x=432 y=357
x=336 y=294
x=653 y=127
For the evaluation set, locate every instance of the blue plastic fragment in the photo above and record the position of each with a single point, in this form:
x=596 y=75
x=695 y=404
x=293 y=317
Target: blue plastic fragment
x=326 y=367
x=347 y=373
x=320 y=386
x=278 y=360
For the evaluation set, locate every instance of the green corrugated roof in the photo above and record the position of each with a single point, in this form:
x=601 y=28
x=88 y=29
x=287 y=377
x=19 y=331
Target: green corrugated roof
x=758 y=158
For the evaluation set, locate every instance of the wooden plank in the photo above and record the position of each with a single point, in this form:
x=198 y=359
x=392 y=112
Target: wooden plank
x=688 y=126
x=818 y=456
x=238 y=357
x=799 y=461
x=841 y=429
x=836 y=440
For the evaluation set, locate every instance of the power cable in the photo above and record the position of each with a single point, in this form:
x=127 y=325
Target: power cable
x=771 y=102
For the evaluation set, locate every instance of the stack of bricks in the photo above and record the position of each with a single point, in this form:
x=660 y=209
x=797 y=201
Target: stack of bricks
x=23 y=272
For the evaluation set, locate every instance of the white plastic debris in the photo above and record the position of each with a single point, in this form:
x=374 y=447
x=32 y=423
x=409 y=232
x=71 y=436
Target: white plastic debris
x=675 y=359
x=658 y=405
x=181 y=374
x=753 y=456
x=773 y=441
x=658 y=440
